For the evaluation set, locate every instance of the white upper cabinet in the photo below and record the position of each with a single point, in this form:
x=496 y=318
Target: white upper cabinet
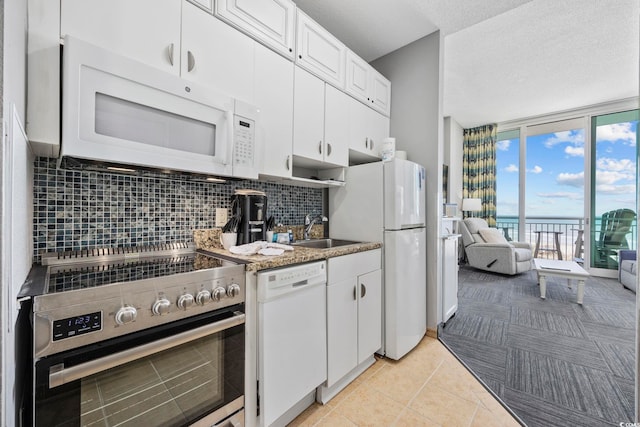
x=336 y=126
x=308 y=116
x=320 y=124
x=215 y=54
x=320 y=52
x=366 y=84
x=357 y=77
x=273 y=83
x=145 y=30
x=378 y=125
x=203 y=4
x=367 y=129
x=270 y=21
x=380 y=92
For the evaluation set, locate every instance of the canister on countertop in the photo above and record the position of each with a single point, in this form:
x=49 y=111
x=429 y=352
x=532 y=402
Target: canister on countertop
x=388 y=150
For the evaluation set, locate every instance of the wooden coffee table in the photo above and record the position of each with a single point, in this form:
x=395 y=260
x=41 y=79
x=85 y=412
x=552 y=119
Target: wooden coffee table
x=555 y=268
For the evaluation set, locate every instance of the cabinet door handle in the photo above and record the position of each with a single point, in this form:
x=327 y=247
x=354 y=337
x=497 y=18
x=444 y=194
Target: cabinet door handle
x=355 y=295
x=328 y=149
x=371 y=144
x=363 y=290
x=288 y=162
x=320 y=147
x=366 y=143
x=191 y=61
x=170 y=53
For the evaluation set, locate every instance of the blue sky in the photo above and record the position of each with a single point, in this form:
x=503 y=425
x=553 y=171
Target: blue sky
x=555 y=172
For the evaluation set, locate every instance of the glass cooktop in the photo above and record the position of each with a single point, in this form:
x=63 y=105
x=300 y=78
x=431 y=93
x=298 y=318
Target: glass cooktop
x=90 y=275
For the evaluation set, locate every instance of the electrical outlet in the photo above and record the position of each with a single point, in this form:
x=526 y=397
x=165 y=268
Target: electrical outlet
x=221 y=217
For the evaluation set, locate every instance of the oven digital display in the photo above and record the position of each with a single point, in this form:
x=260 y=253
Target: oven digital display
x=77 y=325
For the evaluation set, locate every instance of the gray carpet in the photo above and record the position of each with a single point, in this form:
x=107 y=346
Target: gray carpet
x=552 y=362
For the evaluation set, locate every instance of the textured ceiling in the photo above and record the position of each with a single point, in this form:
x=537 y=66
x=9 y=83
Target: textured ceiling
x=503 y=59
x=545 y=56
x=373 y=28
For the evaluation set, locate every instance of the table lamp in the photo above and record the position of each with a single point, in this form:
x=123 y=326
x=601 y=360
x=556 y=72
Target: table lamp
x=471 y=205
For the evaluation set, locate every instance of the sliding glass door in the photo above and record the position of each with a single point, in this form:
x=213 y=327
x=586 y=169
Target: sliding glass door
x=554 y=191
x=568 y=187
x=613 y=189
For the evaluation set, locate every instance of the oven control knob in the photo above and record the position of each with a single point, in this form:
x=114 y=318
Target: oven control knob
x=218 y=293
x=233 y=290
x=185 y=301
x=203 y=297
x=161 y=306
x=126 y=314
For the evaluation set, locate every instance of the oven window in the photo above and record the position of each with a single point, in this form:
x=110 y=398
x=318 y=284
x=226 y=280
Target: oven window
x=172 y=388
x=169 y=388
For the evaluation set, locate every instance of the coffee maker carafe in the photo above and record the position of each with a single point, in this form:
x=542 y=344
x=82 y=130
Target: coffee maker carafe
x=251 y=207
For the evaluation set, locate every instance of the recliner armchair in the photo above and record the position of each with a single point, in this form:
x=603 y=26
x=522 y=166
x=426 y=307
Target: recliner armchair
x=487 y=249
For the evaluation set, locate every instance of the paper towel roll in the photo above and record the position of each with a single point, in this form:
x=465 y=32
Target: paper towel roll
x=388 y=150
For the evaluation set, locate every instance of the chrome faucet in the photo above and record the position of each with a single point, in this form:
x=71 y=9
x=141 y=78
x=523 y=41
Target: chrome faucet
x=309 y=221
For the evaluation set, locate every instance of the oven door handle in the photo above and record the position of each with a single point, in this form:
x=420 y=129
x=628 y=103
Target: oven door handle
x=59 y=375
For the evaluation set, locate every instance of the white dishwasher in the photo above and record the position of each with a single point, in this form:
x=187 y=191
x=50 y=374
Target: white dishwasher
x=292 y=339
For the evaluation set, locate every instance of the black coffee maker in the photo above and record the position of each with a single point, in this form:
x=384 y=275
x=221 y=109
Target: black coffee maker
x=251 y=207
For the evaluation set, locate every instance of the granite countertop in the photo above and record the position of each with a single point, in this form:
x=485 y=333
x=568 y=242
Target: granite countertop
x=209 y=240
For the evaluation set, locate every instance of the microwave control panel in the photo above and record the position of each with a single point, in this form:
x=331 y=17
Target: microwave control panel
x=244 y=146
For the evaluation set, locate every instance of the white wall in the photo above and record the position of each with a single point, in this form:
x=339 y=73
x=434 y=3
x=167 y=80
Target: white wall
x=415 y=73
x=453 y=143
x=17 y=190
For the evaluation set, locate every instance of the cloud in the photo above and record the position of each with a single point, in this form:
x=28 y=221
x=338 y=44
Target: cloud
x=616 y=132
x=611 y=177
x=617 y=165
x=536 y=169
x=511 y=168
x=571 y=179
x=574 y=151
x=561 y=195
x=503 y=145
x=575 y=137
x=616 y=189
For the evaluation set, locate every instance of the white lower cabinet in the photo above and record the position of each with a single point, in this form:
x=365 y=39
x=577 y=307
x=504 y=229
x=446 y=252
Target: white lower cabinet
x=449 y=276
x=354 y=317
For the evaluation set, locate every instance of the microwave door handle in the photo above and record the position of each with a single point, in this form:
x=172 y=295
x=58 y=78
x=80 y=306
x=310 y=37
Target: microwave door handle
x=59 y=375
x=228 y=155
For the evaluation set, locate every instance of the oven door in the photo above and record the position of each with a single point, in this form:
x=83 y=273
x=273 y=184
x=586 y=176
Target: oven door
x=189 y=372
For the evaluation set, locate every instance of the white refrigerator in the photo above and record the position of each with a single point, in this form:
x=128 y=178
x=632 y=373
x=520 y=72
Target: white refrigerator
x=385 y=202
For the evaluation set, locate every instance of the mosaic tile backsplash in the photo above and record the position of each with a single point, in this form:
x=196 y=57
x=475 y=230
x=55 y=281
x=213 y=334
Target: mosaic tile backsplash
x=85 y=209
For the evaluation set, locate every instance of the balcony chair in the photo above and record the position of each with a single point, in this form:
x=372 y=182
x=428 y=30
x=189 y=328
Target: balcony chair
x=487 y=249
x=614 y=227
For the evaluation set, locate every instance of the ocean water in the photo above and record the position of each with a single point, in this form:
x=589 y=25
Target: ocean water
x=569 y=231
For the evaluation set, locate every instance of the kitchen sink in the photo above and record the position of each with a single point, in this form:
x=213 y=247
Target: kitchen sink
x=324 y=243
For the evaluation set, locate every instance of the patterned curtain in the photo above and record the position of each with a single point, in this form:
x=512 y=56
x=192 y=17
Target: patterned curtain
x=479 y=169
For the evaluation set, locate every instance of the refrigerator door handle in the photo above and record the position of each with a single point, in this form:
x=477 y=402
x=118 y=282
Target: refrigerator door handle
x=406 y=226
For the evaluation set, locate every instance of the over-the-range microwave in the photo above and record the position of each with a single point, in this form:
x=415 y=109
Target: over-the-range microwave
x=118 y=111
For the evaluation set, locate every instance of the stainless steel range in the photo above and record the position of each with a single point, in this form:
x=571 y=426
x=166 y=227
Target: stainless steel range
x=137 y=336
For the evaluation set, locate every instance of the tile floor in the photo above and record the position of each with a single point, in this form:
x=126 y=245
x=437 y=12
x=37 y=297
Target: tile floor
x=428 y=387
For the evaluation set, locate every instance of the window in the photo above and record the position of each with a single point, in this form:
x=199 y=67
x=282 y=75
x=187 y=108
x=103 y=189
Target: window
x=507 y=182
